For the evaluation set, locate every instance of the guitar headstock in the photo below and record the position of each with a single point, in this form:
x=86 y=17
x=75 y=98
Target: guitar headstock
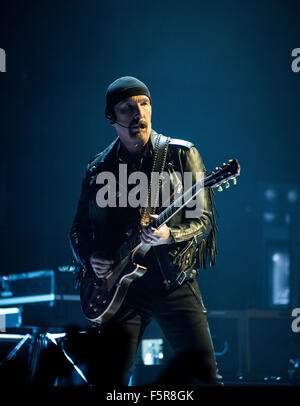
x=222 y=175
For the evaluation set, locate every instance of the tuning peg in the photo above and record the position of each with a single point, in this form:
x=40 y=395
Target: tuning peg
x=224 y=164
x=234 y=181
x=217 y=168
x=227 y=184
x=220 y=189
x=230 y=160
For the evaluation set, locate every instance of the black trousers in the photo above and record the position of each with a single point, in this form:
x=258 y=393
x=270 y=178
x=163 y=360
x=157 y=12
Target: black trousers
x=182 y=316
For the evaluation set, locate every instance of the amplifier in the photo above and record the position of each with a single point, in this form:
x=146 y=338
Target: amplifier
x=227 y=330
x=46 y=298
x=29 y=287
x=270 y=344
x=65 y=311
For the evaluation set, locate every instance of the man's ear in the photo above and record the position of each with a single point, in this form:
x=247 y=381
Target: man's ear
x=109 y=116
x=110 y=121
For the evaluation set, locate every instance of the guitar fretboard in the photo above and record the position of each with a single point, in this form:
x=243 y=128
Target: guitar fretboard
x=212 y=180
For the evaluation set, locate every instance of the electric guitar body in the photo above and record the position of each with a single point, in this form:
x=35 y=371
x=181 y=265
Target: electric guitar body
x=101 y=298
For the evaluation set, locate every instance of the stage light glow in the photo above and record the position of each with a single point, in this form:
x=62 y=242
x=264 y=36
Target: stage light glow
x=152 y=351
x=269 y=216
x=292 y=196
x=280 y=278
x=11 y=310
x=276 y=257
x=270 y=194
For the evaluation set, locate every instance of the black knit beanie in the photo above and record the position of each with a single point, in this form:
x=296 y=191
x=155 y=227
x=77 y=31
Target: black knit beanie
x=123 y=88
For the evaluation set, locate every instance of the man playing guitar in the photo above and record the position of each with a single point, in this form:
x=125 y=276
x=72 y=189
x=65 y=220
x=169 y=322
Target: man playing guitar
x=168 y=291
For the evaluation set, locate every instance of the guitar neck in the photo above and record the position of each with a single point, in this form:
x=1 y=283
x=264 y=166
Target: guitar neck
x=128 y=246
x=229 y=171
x=183 y=200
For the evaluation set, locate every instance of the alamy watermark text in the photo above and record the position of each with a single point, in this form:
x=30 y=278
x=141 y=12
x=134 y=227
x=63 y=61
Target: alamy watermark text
x=296 y=62
x=2 y=60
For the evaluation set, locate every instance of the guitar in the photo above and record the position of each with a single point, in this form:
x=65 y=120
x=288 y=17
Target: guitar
x=101 y=298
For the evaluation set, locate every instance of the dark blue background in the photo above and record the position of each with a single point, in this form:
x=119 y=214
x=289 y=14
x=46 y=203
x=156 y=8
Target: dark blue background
x=220 y=76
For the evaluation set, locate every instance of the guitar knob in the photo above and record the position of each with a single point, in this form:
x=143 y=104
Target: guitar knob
x=217 y=168
x=227 y=184
x=220 y=189
x=224 y=164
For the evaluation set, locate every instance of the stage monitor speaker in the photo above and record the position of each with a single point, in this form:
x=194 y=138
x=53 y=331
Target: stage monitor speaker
x=270 y=344
x=226 y=330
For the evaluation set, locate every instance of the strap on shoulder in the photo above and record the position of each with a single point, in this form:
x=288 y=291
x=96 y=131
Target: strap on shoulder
x=181 y=143
x=159 y=161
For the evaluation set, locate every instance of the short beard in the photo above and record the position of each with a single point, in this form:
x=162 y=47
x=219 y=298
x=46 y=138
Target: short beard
x=142 y=125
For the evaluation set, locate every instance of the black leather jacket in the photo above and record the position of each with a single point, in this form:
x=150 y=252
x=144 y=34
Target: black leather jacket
x=194 y=239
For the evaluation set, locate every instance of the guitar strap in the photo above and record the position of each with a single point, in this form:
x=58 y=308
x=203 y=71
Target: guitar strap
x=159 y=161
